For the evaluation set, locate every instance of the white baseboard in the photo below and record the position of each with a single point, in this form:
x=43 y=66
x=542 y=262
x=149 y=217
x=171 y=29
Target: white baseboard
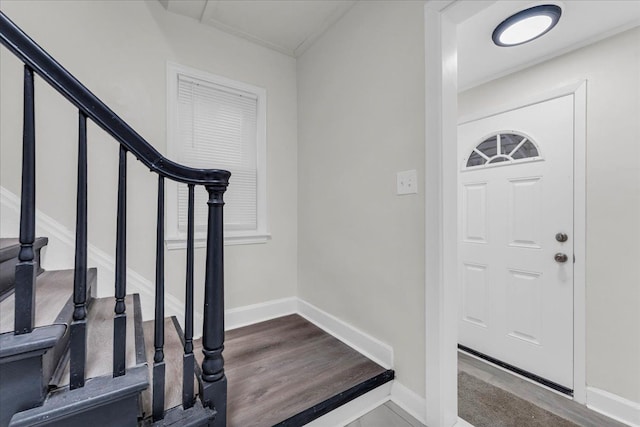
x=462 y=423
x=410 y=401
x=250 y=314
x=614 y=406
x=60 y=253
x=364 y=343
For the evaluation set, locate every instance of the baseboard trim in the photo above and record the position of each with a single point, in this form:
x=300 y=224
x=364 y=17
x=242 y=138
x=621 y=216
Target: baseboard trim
x=360 y=341
x=462 y=423
x=254 y=313
x=410 y=401
x=614 y=406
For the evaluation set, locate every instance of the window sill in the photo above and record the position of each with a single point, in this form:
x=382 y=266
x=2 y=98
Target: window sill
x=200 y=241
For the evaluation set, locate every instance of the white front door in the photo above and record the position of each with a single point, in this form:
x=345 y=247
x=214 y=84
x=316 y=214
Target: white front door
x=515 y=197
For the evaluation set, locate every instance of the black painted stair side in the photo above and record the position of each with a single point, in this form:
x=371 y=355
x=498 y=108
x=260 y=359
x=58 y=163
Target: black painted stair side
x=196 y=416
x=103 y=401
x=9 y=249
x=28 y=361
x=112 y=401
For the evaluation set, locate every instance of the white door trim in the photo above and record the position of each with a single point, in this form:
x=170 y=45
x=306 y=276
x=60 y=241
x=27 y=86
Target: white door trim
x=441 y=74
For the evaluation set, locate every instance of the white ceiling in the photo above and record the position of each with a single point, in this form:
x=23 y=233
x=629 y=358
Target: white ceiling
x=288 y=26
x=291 y=26
x=582 y=22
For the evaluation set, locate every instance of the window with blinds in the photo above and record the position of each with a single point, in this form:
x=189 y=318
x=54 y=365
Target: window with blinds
x=217 y=123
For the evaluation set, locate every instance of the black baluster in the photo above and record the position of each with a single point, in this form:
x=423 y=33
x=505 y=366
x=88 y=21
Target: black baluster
x=189 y=359
x=213 y=384
x=158 y=342
x=78 y=329
x=120 y=318
x=25 y=280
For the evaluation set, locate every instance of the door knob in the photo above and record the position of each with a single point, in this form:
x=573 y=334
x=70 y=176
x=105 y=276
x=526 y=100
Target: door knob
x=562 y=237
x=560 y=257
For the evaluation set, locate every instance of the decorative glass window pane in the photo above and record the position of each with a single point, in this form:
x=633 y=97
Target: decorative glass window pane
x=509 y=142
x=498 y=160
x=475 y=159
x=503 y=148
x=489 y=147
x=525 y=151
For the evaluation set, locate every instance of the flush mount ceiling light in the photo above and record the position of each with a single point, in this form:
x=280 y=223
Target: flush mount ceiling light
x=526 y=25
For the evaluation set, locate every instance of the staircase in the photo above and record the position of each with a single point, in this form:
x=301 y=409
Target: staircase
x=123 y=400
x=69 y=359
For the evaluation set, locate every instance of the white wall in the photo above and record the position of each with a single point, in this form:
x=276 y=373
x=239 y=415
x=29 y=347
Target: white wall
x=612 y=70
x=361 y=119
x=119 y=50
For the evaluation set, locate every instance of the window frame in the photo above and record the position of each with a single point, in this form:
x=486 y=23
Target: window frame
x=177 y=239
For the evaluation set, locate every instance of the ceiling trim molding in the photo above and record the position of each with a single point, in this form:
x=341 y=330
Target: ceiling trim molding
x=207 y=18
x=210 y=8
x=328 y=23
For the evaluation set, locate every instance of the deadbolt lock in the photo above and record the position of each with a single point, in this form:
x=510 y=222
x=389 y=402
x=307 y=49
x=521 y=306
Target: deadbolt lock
x=560 y=257
x=562 y=237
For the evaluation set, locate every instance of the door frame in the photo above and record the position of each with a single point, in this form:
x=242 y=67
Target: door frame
x=441 y=18
x=578 y=91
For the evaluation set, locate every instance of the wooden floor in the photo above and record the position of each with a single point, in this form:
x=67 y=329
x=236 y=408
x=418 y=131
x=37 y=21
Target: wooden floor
x=287 y=371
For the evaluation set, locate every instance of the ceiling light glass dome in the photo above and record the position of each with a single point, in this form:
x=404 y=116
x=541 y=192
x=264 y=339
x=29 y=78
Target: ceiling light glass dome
x=527 y=25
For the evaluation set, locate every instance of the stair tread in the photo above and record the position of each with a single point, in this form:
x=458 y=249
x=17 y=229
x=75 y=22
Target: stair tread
x=173 y=355
x=10 y=246
x=53 y=290
x=100 y=339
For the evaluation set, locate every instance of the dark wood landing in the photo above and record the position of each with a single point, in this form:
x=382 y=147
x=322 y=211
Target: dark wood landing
x=288 y=372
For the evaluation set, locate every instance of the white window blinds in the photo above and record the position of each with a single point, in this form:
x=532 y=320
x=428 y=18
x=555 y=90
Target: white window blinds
x=217 y=129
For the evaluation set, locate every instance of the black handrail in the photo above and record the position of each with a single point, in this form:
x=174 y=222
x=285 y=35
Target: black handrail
x=60 y=79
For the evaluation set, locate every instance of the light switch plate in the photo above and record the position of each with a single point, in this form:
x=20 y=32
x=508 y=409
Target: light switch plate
x=407 y=182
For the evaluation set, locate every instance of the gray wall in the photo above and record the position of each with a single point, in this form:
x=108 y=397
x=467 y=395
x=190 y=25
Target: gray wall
x=119 y=50
x=612 y=69
x=361 y=119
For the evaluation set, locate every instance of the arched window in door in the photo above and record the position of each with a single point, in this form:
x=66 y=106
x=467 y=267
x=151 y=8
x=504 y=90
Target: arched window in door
x=503 y=147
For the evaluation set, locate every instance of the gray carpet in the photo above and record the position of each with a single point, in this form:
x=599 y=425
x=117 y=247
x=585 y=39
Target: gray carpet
x=485 y=405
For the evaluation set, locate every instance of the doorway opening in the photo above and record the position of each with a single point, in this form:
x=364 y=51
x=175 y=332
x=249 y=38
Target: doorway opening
x=516 y=239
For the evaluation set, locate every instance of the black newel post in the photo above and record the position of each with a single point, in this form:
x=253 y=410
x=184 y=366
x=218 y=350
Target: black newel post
x=213 y=383
x=25 y=281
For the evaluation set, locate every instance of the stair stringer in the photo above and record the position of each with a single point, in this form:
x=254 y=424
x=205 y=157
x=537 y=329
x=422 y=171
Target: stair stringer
x=113 y=401
x=25 y=362
x=28 y=362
